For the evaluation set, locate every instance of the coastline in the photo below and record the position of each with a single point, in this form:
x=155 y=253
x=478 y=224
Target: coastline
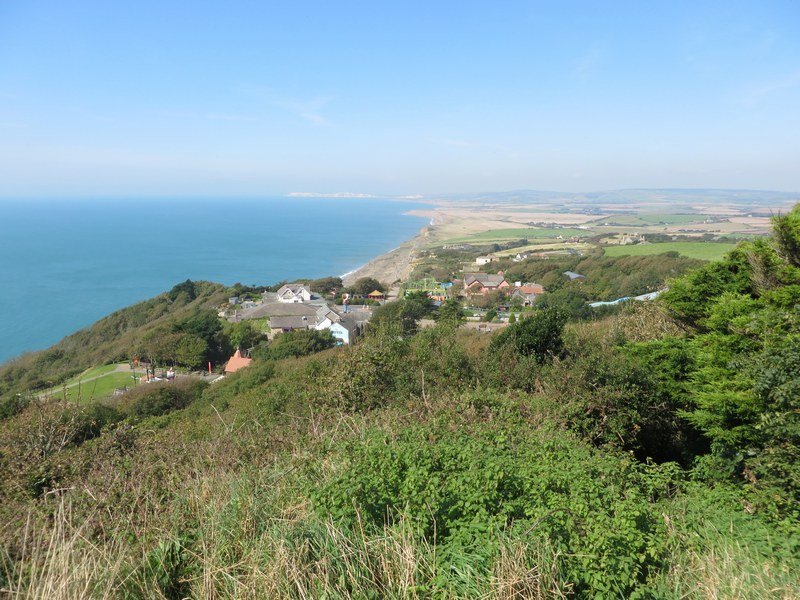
x=398 y=263
x=394 y=265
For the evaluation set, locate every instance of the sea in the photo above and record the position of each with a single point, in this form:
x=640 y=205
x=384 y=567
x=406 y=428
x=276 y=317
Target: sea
x=64 y=264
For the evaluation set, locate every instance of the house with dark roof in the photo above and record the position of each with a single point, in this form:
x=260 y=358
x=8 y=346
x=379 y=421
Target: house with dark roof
x=345 y=330
x=484 y=283
x=287 y=324
x=278 y=309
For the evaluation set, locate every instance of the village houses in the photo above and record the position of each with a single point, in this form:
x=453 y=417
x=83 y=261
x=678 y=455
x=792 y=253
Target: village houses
x=484 y=283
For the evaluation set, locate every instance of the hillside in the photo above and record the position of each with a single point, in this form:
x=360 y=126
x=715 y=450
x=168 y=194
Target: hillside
x=116 y=337
x=652 y=453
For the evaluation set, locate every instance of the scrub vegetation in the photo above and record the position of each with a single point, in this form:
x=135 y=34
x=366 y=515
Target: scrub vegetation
x=648 y=454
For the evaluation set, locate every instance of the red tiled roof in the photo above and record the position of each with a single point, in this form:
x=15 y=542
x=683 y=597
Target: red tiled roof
x=531 y=289
x=236 y=362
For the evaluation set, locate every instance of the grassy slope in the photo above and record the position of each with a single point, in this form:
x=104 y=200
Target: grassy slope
x=646 y=219
x=113 y=338
x=97 y=389
x=251 y=493
x=699 y=250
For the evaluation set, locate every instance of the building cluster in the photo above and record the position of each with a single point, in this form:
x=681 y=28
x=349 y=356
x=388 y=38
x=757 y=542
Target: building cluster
x=483 y=284
x=295 y=307
x=476 y=285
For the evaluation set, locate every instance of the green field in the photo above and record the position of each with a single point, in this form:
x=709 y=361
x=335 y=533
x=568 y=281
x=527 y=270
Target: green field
x=530 y=233
x=102 y=387
x=700 y=250
x=647 y=220
x=93 y=372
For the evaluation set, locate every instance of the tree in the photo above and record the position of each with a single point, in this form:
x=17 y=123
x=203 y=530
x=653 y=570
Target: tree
x=366 y=285
x=160 y=345
x=450 y=312
x=539 y=336
x=186 y=288
x=206 y=325
x=243 y=335
x=569 y=301
x=327 y=285
x=399 y=317
x=423 y=301
x=190 y=351
x=786 y=230
x=298 y=343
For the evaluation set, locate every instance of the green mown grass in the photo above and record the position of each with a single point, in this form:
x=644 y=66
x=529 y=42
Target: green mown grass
x=93 y=372
x=699 y=250
x=500 y=235
x=102 y=387
x=644 y=220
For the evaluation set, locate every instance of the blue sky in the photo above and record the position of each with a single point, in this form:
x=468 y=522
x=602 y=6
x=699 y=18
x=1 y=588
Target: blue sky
x=262 y=98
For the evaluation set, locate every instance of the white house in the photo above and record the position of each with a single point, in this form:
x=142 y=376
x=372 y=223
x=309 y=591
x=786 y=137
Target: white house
x=344 y=330
x=484 y=260
x=326 y=317
x=295 y=293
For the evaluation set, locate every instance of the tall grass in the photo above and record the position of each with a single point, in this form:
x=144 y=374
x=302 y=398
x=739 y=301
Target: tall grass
x=60 y=562
x=252 y=537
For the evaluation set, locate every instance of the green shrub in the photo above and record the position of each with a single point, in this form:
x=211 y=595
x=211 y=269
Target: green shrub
x=13 y=404
x=162 y=397
x=463 y=488
x=295 y=343
x=539 y=335
x=169 y=568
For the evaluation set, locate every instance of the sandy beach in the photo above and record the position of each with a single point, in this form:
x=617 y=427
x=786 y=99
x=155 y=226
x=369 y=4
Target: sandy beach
x=395 y=265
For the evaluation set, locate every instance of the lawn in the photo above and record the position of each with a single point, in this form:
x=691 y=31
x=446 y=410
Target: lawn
x=530 y=233
x=699 y=250
x=543 y=247
x=93 y=372
x=102 y=387
x=645 y=219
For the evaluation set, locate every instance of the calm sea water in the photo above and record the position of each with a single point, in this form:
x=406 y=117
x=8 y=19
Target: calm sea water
x=66 y=264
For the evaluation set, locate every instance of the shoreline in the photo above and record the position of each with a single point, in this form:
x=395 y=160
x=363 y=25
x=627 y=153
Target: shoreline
x=394 y=265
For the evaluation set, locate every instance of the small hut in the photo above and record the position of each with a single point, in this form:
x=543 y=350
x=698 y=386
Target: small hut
x=376 y=295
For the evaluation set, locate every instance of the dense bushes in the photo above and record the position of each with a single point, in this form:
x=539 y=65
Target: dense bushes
x=539 y=335
x=159 y=398
x=465 y=488
x=295 y=343
x=607 y=278
x=384 y=369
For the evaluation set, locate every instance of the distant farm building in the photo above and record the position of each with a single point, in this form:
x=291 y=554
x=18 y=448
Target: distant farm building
x=572 y=276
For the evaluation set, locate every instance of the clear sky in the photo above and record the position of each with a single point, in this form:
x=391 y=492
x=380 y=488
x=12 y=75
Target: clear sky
x=259 y=98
